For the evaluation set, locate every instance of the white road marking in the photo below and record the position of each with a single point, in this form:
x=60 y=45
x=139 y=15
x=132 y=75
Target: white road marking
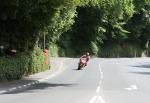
x=134 y=87
x=100 y=82
x=93 y=99
x=101 y=73
x=98 y=89
x=131 y=88
x=98 y=99
x=101 y=99
x=102 y=76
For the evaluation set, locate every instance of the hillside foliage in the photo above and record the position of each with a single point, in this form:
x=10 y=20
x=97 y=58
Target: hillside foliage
x=107 y=28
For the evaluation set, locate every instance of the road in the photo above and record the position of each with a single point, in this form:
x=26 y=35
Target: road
x=122 y=80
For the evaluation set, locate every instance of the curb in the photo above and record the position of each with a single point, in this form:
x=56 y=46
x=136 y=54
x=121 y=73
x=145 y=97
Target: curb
x=25 y=86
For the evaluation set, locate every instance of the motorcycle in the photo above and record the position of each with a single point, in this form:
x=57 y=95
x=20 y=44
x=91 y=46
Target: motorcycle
x=82 y=63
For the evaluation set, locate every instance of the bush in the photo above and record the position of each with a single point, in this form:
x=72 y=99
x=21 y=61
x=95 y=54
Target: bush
x=94 y=48
x=53 y=50
x=15 y=67
x=37 y=62
x=114 y=50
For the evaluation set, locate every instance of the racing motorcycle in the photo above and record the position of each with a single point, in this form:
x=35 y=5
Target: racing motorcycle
x=82 y=63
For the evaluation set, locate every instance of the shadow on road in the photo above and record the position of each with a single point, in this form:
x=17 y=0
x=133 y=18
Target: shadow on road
x=40 y=86
x=143 y=66
x=74 y=69
x=4 y=85
x=143 y=73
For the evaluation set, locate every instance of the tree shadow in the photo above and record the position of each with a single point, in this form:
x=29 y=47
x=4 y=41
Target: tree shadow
x=143 y=66
x=39 y=86
x=75 y=69
x=146 y=65
x=143 y=73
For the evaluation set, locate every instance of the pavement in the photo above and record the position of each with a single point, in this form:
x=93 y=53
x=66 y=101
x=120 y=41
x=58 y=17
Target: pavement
x=27 y=81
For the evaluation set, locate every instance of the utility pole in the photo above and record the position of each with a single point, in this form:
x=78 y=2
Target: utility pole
x=44 y=42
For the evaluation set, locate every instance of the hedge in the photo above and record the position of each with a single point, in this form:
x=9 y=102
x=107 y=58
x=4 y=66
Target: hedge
x=15 y=67
x=115 y=50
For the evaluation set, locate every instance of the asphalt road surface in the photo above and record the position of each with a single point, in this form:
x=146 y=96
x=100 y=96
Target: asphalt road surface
x=122 y=80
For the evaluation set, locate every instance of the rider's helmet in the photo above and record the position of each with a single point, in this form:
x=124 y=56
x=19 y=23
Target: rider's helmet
x=87 y=53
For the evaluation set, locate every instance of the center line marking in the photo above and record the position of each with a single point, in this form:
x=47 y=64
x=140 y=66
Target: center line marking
x=97 y=99
x=101 y=99
x=98 y=89
x=93 y=99
x=100 y=82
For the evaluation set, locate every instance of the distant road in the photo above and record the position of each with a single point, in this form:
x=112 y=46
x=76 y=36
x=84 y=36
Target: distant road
x=118 y=80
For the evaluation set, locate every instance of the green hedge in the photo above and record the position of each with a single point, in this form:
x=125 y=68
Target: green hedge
x=15 y=67
x=115 y=50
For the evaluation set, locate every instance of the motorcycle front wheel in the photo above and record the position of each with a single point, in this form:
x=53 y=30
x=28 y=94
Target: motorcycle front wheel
x=79 y=66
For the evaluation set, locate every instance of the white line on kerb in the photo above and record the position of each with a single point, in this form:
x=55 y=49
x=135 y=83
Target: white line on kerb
x=3 y=91
x=14 y=88
x=24 y=85
x=36 y=82
x=11 y=89
x=19 y=87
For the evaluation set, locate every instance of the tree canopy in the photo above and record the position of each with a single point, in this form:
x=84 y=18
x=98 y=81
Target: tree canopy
x=85 y=24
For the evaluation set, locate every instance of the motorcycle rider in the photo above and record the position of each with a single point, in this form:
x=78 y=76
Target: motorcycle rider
x=87 y=56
